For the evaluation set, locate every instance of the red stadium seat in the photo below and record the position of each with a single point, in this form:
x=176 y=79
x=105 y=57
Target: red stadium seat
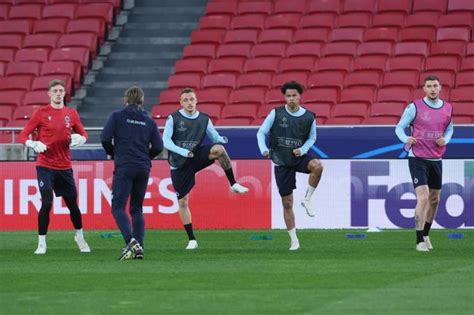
x=281 y=78
x=470 y=49
x=92 y=25
x=11 y=98
x=248 y=21
x=339 y=49
x=350 y=110
x=226 y=80
x=467 y=64
x=405 y=63
x=49 y=41
x=344 y=121
x=254 y=7
x=3 y=68
x=342 y=63
x=56 y=26
x=269 y=50
x=446 y=63
x=263 y=64
x=411 y=49
x=227 y=65
x=213 y=96
x=163 y=111
x=104 y=11
x=465 y=79
x=419 y=93
x=88 y=41
x=234 y=50
x=21 y=27
x=241 y=36
x=346 y=34
x=32 y=54
x=383 y=48
x=184 y=80
x=453 y=34
x=41 y=83
x=354 y=20
x=407 y=78
x=283 y=21
x=60 y=10
x=256 y=79
x=381 y=34
x=170 y=97
x=221 y=8
x=254 y=96
x=368 y=62
x=460 y=6
x=297 y=64
x=25 y=12
x=234 y=122
x=422 y=19
x=11 y=41
x=398 y=94
x=264 y=110
x=363 y=78
x=26 y=67
x=16 y=82
x=215 y=22
x=200 y=50
x=31 y=1
x=321 y=20
x=70 y=68
x=75 y=54
x=276 y=36
x=6 y=113
x=430 y=5
x=211 y=110
x=115 y=3
x=311 y=35
x=304 y=50
x=7 y=54
x=322 y=111
x=463 y=109
x=240 y=111
x=321 y=95
x=273 y=98
x=294 y=6
x=357 y=94
x=326 y=79
x=446 y=48
x=403 y=6
x=380 y=120
x=359 y=6
x=192 y=65
x=446 y=77
x=320 y=6
x=457 y=19
x=388 y=20
x=4 y=8
x=419 y=34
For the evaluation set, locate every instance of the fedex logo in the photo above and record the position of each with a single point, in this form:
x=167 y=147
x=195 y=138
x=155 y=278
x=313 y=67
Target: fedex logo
x=362 y=193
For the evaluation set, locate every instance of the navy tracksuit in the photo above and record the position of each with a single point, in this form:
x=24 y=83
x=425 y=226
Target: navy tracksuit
x=132 y=131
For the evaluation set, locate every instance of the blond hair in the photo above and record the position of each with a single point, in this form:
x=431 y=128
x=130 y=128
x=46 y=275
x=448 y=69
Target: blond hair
x=134 y=95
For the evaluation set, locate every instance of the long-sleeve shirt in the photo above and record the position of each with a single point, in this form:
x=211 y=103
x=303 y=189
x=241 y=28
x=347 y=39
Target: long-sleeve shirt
x=54 y=130
x=135 y=137
x=409 y=115
x=211 y=132
x=267 y=124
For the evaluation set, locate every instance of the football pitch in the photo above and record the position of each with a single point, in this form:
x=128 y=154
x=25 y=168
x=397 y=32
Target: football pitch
x=232 y=273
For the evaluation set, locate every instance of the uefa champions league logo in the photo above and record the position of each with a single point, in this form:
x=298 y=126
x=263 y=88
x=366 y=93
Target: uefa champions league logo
x=284 y=122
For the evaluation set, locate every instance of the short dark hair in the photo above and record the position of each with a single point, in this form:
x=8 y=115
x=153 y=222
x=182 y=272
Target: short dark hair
x=431 y=78
x=56 y=82
x=187 y=90
x=292 y=85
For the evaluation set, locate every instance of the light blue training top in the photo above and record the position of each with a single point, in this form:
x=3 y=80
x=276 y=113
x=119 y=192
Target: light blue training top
x=409 y=115
x=168 y=134
x=267 y=124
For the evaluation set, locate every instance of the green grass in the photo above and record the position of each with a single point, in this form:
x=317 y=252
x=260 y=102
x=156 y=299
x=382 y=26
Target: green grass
x=232 y=274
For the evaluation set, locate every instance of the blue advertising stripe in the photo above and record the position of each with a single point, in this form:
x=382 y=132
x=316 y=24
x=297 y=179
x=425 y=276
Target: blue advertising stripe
x=400 y=145
x=318 y=151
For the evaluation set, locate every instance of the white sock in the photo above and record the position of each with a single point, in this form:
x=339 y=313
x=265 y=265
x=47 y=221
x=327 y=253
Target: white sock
x=79 y=233
x=293 y=236
x=42 y=240
x=309 y=192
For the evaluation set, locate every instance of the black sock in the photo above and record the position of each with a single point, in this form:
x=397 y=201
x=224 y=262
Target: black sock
x=43 y=214
x=230 y=176
x=419 y=236
x=427 y=228
x=189 y=231
x=74 y=212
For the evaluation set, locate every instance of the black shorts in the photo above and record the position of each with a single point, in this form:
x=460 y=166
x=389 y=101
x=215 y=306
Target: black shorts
x=61 y=181
x=285 y=177
x=184 y=178
x=426 y=172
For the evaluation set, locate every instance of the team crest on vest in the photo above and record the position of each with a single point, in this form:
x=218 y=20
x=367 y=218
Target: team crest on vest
x=284 y=122
x=49 y=118
x=425 y=116
x=67 y=120
x=181 y=126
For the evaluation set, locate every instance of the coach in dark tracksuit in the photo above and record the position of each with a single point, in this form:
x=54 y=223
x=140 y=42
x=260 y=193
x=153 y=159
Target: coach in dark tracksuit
x=132 y=131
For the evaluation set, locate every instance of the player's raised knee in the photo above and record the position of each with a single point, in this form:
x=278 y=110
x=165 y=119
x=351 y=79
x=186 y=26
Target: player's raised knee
x=218 y=149
x=315 y=166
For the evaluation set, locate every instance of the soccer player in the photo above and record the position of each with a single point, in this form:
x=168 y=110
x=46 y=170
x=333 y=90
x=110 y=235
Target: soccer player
x=132 y=139
x=431 y=130
x=292 y=131
x=184 y=133
x=54 y=123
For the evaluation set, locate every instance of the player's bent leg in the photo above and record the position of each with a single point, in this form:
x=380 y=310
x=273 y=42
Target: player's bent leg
x=315 y=168
x=218 y=152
